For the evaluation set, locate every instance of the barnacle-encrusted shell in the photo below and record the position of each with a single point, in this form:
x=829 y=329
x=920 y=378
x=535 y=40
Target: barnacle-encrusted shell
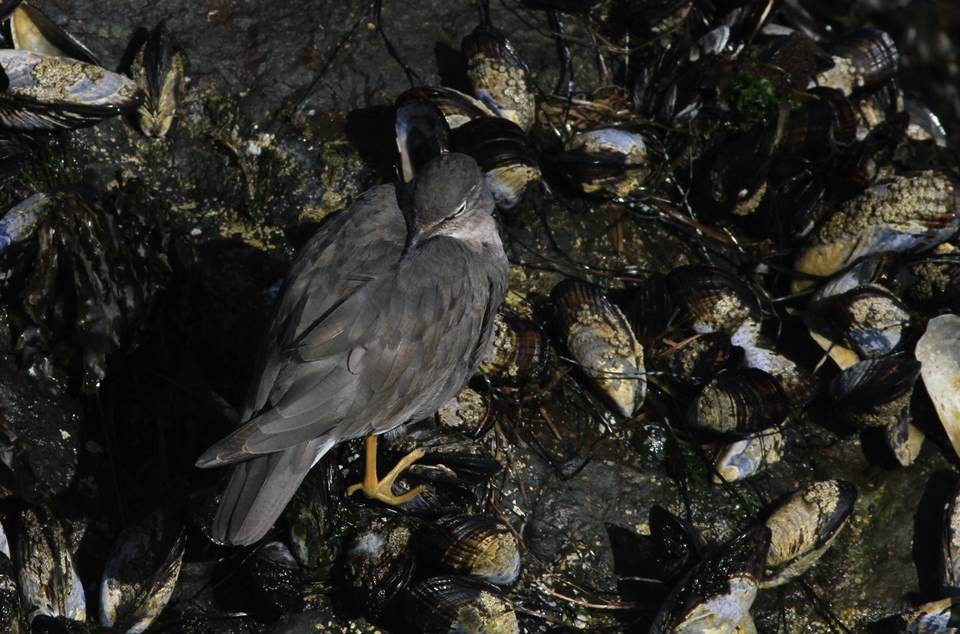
x=48 y=92
x=498 y=76
x=140 y=575
x=477 y=545
x=938 y=352
x=716 y=595
x=876 y=392
x=503 y=152
x=804 y=526
x=379 y=563
x=600 y=339
x=468 y=412
x=747 y=457
x=49 y=583
x=520 y=352
x=903 y=213
x=607 y=160
x=711 y=300
x=159 y=70
x=700 y=358
x=936 y=617
x=450 y=605
x=862 y=60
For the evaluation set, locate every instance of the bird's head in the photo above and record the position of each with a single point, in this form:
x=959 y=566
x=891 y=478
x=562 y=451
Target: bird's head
x=450 y=198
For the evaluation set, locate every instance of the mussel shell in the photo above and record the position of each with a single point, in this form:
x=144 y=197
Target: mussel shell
x=600 y=339
x=817 y=131
x=932 y=282
x=711 y=300
x=504 y=154
x=20 y=221
x=923 y=124
x=936 y=617
x=867 y=322
x=140 y=575
x=476 y=545
x=739 y=402
x=804 y=526
x=700 y=358
x=748 y=457
x=905 y=213
x=679 y=548
x=469 y=412
x=379 y=563
x=876 y=392
x=458 y=605
x=798 y=383
x=47 y=93
x=520 y=353
x=607 y=161
x=904 y=439
x=458 y=108
x=11 y=615
x=49 y=583
x=862 y=60
x=938 y=352
x=879 y=269
x=878 y=108
x=717 y=594
x=422 y=135
x=30 y=29
x=499 y=77
x=648 y=306
x=159 y=69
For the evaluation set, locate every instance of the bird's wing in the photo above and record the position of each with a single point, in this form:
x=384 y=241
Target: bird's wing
x=387 y=349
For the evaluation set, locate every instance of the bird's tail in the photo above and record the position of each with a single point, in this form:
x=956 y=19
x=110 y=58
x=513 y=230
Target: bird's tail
x=260 y=488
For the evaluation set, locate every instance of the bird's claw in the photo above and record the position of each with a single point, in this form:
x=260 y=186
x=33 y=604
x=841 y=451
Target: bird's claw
x=382 y=490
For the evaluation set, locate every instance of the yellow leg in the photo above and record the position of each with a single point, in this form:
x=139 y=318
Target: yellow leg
x=382 y=490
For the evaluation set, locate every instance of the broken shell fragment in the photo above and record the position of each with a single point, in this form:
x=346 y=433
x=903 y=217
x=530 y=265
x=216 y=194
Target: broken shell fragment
x=600 y=339
x=804 y=526
x=938 y=352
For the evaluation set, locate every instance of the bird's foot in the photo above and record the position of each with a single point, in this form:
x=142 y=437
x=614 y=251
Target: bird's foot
x=382 y=489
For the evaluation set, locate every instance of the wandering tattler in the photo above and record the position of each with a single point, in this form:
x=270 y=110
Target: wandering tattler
x=386 y=314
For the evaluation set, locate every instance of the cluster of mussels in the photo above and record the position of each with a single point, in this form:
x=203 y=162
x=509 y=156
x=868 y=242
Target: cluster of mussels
x=824 y=203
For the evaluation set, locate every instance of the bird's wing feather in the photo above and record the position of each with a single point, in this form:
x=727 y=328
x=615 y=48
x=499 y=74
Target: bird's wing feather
x=396 y=347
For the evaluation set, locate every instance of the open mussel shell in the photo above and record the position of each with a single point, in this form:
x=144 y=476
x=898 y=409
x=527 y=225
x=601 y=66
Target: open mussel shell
x=141 y=574
x=20 y=221
x=607 y=161
x=903 y=213
x=159 y=69
x=936 y=617
x=458 y=605
x=938 y=352
x=49 y=584
x=739 y=402
x=867 y=322
x=422 y=135
x=457 y=107
x=49 y=93
x=748 y=457
x=599 y=338
x=718 y=593
x=29 y=29
x=876 y=392
x=379 y=563
x=498 y=76
x=862 y=60
x=709 y=299
x=503 y=152
x=520 y=353
x=804 y=526
x=477 y=545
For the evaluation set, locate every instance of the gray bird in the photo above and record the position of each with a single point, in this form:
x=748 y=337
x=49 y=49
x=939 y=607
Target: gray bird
x=385 y=315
